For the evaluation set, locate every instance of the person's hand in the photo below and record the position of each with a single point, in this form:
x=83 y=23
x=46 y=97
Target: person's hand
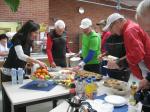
x=76 y=68
x=53 y=65
x=144 y=84
x=78 y=54
x=112 y=64
x=43 y=65
x=100 y=57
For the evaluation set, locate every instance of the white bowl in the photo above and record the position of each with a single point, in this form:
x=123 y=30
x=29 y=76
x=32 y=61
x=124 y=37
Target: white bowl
x=74 y=61
x=42 y=83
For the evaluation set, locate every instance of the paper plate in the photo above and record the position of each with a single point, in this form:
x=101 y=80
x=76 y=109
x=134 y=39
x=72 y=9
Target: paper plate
x=116 y=100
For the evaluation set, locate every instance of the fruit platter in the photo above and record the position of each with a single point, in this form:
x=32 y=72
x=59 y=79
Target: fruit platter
x=65 y=78
x=42 y=76
x=68 y=83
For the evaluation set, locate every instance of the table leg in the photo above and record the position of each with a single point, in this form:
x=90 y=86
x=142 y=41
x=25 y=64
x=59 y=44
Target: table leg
x=54 y=103
x=19 y=109
x=5 y=101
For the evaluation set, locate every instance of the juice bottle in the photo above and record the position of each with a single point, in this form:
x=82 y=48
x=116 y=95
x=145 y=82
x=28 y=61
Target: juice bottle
x=133 y=89
x=94 y=86
x=88 y=89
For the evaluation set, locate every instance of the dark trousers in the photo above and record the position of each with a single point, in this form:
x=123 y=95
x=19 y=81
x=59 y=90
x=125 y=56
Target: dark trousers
x=92 y=68
x=5 y=99
x=60 y=62
x=145 y=109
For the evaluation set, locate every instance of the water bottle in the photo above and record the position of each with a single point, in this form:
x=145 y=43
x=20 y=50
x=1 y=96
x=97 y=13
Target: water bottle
x=14 y=76
x=80 y=88
x=76 y=83
x=20 y=74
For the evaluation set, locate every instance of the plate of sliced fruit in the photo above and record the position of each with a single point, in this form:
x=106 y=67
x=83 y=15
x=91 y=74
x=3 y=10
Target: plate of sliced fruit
x=42 y=76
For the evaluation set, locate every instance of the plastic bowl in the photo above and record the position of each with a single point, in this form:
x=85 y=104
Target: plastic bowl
x=42 y=83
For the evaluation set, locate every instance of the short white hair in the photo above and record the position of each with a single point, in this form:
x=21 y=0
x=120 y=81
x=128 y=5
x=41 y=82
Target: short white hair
x=60 y=24
x=143 y=7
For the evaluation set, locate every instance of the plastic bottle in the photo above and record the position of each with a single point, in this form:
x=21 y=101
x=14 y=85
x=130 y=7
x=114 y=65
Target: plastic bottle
x=14 y=76
x=20 y=74
x=94 y=84
x=80 y=88
x=88 y=89
x=133 y=89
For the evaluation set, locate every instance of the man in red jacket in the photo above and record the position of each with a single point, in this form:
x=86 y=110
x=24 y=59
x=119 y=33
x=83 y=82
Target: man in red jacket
x=57 y=45
x=137 y=44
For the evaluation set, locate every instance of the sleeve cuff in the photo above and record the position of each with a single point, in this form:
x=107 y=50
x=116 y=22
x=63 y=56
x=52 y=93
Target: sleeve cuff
x=148 y=76
x=81 y=64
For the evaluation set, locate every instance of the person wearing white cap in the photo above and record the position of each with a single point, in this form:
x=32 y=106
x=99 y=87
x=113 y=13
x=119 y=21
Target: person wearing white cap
x=143 y=15
x=136 y=41
x=57 y=45
x=90 y=47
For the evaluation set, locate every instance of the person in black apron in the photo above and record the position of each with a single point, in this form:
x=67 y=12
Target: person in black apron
x=19 y=55
x=57 y=45
x=115 y=47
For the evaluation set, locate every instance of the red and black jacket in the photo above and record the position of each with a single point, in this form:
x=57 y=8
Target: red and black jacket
x=56 y=46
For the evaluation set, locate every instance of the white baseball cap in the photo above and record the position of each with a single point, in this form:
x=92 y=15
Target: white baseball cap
x=112 y=18
x=85 y=23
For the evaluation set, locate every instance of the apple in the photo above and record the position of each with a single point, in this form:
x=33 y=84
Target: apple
x=41 y=77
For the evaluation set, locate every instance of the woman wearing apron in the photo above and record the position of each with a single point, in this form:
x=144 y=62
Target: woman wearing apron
x=19 y=55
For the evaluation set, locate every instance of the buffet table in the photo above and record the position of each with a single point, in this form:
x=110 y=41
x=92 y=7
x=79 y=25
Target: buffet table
x=102 y=90
x=20 y=98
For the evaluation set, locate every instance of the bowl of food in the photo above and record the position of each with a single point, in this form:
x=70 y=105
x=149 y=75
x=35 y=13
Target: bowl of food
x=122 y=89
x=42 y=76
x=74 y=61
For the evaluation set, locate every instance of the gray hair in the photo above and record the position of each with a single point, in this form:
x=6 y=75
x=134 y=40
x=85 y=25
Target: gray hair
x=143 y=7
x=60 y=24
